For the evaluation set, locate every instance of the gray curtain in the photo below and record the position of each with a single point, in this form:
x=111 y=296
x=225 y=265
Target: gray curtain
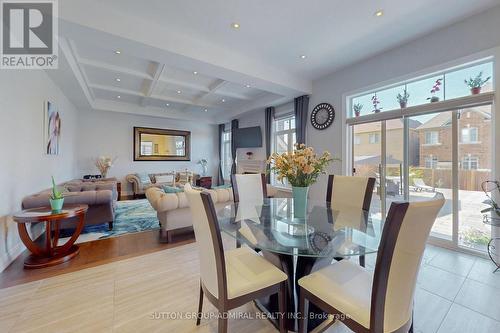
x=220 y=181
x=269 y=127
x=301 y=110
x=234 y=125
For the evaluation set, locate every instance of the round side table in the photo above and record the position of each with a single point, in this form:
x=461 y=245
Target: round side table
x=493 y=252
x=52 y=254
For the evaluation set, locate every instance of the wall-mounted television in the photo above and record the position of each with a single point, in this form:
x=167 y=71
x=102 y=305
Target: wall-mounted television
x=248 y=137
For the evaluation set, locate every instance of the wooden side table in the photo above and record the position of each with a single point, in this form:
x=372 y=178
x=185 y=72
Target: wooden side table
x=52 y=254
x=205 y=182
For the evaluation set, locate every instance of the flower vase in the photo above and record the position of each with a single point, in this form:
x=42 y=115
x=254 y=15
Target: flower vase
x=300 y=201
x=56 y=204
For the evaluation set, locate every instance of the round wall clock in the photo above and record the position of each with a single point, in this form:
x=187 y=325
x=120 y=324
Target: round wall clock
x=322 y=116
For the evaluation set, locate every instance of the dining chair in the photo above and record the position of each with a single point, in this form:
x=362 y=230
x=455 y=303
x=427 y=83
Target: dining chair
x=351 y=197
x=381 y=301
x=249 y=191
x=230 y=279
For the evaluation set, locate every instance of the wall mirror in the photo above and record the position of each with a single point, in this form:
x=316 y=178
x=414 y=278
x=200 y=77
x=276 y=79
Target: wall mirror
x=156 y=144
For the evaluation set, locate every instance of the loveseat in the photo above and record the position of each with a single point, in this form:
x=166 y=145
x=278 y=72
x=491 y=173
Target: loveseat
x=141 y=182
x=99 y=195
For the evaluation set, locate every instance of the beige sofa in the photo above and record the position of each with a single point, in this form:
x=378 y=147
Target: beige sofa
x=140 y=188
x=173 y=208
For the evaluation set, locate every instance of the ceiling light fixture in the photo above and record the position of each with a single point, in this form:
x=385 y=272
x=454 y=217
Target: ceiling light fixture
x=178 y=91
x=118 y=52
x=118 y=79
x=303 y=56
x=379 y=13
x=235 y=25
x=195 y=73
x=248 y=86
x=167 y=104
x=118 y=96
x=206 y=110
x=223 y=100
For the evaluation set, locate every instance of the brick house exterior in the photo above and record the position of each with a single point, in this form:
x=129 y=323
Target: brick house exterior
x=435 y=137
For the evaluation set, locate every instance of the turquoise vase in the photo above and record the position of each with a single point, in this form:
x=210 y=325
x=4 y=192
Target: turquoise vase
x=56 y=204
x=300 y=201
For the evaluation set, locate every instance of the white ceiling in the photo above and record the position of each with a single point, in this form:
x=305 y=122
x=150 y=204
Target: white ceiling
x=163 y=42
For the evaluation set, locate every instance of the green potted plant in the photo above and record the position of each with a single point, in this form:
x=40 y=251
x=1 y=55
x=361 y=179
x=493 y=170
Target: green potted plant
x=435 y=88
x=56 y=198
x=475 y=84
x=403 y=99
x=357 y=109
x=376 y=102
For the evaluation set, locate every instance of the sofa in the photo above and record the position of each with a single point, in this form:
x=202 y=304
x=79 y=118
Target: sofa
x=173 y=211
x=100 y=195
x=141 y=182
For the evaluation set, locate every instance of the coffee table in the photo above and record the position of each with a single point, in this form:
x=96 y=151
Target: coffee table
x=52 y=254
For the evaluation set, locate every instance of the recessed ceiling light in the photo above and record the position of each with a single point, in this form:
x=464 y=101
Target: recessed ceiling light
x=118 y=52
x=167 y=104
x=248 y=86
x=235 y=25
x=178 y=91
x=118 y=96
x=303 y=56
x=195 y=73
x=118 y=79
x=379 y=13
x=206 y=110
x=223 y=100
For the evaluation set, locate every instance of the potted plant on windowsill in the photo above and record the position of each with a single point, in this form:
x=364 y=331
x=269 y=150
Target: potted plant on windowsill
x=376 y=102
x=403 y=99
x=475 y=84
x=357 y=109
x=302 y=169
x=56 y=198
x=435 y=88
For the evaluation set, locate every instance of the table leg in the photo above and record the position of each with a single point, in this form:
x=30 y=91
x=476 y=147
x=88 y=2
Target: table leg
x=28 y=242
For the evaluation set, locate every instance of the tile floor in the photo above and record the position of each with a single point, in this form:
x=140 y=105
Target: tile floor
x=456 y=293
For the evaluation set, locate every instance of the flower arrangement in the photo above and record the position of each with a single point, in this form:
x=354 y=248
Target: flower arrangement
x=104 y=163
x=376 y=102
x=357 y=109
x=475 y=84
x=203 y=162
x=403 y=99
x=301 y=167
x=435 y=88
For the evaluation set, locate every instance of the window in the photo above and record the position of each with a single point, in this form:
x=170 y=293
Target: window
x=284 y=140
x=374 y=138
x=227 y=159
x=357 y=140
x=431 y=162
x=470 y=162
x=179 y=147
x=470 y=135
x=147 y=148
x=431 y=138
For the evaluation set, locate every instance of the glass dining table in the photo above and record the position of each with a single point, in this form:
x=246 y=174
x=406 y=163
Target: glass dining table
x=300 y=241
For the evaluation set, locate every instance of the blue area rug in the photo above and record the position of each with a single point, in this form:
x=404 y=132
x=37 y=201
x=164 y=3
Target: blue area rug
x=130 y=216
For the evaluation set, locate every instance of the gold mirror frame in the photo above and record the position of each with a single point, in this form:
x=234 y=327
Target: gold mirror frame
x=138 y=131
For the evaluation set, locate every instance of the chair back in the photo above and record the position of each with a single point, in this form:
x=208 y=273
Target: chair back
x=250 y=188
x=401 y=249
x=209 y=241
x=350 y=192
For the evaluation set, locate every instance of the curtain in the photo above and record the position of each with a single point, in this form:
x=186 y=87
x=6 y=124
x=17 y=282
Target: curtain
x=234 y=125
x=269 y=128
x=220 y=181
x=301 y=109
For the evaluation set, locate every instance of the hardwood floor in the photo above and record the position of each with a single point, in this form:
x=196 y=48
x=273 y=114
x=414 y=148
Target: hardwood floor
x=92 y=254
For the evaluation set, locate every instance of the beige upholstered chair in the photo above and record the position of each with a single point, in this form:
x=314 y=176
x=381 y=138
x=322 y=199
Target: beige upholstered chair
x=351 y=197
x=232 y=278
x=382 y=301
x=249 y=191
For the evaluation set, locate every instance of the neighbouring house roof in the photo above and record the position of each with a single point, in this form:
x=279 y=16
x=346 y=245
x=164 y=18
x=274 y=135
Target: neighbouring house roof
x=444 y=118
x=391 y=124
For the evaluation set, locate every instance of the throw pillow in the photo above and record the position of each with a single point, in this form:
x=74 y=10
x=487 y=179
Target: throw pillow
x=144 y=178
x=164 y=179
x=172 y=189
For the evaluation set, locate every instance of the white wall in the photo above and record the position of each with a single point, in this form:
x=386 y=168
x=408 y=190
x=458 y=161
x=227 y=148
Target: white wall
x=462 y=39
x=24 y=167
x=111 y=133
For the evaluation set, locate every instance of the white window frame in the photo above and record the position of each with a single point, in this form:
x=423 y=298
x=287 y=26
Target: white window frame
x=226 y=154
x=275 y=133
x=468 y=161
x=467 y=138
x=431 y=162
x=434 y=138
x=147 y=146
x=374 y=138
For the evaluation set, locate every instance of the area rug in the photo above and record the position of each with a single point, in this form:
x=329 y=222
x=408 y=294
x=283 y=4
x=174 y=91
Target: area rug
x=131 y=216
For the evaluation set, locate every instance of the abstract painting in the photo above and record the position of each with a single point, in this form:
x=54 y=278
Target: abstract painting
x=52 y=129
